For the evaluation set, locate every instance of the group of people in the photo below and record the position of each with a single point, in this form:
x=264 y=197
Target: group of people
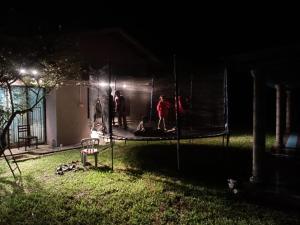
x=117 y=108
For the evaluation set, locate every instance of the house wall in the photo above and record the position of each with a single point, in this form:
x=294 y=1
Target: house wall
x=72 y=115
x=51 y=121
x=71 y=120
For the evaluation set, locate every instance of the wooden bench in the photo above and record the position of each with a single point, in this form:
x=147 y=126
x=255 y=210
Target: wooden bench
x=25 y=136
x=89 y=147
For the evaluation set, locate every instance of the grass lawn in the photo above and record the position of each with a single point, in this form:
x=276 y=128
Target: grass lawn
x=144 y=188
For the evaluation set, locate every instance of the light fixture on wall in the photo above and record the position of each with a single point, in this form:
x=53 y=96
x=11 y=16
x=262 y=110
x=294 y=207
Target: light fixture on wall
x=28 y=72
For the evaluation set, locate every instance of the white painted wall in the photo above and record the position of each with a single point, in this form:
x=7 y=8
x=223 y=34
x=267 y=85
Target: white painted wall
x=51 y=121
x=71 y=122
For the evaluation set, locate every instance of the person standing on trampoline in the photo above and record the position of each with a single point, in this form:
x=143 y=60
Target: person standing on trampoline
x=120 y=109
x=162 y=109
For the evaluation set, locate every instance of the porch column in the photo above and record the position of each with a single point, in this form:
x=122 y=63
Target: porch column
x=279 y=116
x=288 y=112
x=259 y=133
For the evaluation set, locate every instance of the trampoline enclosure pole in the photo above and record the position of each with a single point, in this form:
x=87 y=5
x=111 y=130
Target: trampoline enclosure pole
x=191 y=100
x=110 y=116
x=177 y=113
x=226 y=106
x=151 y=99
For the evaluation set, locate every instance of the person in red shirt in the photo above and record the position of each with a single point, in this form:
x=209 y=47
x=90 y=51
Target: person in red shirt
x=181 y=111
x=162 y=109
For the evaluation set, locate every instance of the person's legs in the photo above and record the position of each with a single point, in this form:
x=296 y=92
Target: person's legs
x=164 y=124
x=119 y=119
x=124 y=121
x=159 y=121
x=113 y=118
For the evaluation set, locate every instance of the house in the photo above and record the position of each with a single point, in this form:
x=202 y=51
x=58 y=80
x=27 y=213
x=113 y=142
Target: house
x=69 y=110
x=115 y=60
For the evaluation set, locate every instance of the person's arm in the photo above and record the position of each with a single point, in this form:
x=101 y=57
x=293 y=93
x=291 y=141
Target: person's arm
x=158 y=106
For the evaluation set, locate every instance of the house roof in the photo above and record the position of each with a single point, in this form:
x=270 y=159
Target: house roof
x=125 y=54
x=278 y=65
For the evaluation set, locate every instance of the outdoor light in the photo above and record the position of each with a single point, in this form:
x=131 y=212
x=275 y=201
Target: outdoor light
x=103 y=84
x=94 y=134
x=34 y=72
x=22 y=71
x=124 y=85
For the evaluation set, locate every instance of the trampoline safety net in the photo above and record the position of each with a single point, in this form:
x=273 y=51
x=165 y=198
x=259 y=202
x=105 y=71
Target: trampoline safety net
x=143 y=107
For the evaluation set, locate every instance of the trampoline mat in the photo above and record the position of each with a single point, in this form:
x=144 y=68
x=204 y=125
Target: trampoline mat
x=128 y=134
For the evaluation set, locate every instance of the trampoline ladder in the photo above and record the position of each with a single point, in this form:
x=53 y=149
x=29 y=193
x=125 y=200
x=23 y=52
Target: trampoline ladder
x=16 y=168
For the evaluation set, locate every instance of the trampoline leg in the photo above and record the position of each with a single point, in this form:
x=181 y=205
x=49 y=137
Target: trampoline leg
x=223 y=140
x=227 y=141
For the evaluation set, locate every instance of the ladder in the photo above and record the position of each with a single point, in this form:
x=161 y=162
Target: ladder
x=13 y=159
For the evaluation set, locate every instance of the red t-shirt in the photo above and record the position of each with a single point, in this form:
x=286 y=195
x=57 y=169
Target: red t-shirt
x=163 y=108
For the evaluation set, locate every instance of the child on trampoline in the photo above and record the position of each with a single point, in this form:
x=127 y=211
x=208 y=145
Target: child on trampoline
x=144 y=127
x=162 y=109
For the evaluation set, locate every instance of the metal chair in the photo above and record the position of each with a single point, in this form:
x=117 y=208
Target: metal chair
x=25 y=136
x=89 y=147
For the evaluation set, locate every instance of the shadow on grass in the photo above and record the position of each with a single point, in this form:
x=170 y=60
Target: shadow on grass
x=210 y=166
x=102 y=168
x=211 y=163
x=10 y=185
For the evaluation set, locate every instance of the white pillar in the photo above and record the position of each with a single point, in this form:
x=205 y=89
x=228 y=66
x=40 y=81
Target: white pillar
x=258 y=127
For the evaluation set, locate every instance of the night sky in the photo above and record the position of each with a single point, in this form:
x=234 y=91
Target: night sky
x=187 y=30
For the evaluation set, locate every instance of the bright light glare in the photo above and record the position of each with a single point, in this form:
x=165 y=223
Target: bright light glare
x=94 y=134
x=124 y=85
x=22 y=71
x=103 y=84
x=34 y=72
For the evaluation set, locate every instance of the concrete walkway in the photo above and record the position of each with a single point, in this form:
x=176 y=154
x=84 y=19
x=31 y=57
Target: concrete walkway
x=33 y=153
x=41 y=150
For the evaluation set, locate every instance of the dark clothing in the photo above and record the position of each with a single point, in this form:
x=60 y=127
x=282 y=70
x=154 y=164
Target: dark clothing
x=98 y=110
x=121 y=110
x=112 y=109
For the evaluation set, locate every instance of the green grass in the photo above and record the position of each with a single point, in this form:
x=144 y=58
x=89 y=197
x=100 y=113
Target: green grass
x=144 y=188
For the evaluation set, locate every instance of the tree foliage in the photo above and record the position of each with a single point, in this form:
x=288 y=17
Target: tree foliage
x=40 y=64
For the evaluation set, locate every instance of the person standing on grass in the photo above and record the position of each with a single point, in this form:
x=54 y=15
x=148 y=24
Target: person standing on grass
x=162 y=109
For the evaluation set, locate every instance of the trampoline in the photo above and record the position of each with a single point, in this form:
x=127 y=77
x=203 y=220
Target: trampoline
x=191 y=105
x=121 y=134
